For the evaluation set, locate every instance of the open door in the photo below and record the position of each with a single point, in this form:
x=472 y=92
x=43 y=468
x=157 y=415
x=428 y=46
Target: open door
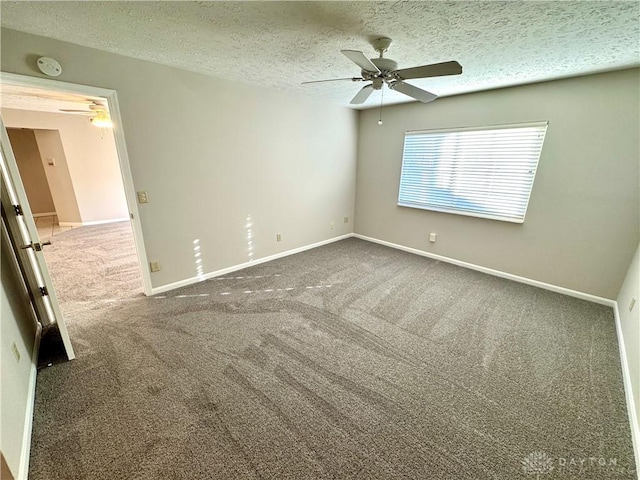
x=23 y=237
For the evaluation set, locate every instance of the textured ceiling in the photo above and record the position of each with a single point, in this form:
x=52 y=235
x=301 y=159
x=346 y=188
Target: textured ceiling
x=281 y=44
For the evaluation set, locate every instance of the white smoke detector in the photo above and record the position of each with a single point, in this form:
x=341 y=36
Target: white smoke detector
x=49 y=66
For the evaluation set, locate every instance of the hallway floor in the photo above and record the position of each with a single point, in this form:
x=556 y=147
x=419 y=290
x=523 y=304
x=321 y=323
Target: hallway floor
x=48 y=226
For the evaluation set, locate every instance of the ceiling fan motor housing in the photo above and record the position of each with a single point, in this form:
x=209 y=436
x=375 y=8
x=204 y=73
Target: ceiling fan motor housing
x=386 y=66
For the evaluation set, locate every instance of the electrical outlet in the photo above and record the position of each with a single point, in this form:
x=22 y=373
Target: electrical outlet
x=143 y=197
x=278 y=237
x=154 y=266
x=432 y=237
x=331 y=225
x=346 y=220
x=16 y=352
x=51 y=161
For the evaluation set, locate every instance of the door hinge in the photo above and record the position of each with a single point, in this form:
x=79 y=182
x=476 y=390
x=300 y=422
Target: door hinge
x=43 y=291
x=18 y=210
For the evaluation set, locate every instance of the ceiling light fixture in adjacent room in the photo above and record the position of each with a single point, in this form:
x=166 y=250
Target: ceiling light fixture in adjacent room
x=102 y=119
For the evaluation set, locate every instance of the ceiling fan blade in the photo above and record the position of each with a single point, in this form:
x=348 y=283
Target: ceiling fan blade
x=362 y=95
x=414 y=92
x=79 y=112
x=361 y=60
x=433 y=70
x=353 y=79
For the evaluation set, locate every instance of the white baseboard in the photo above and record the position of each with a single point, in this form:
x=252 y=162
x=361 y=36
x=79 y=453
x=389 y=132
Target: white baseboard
x=112 y=220
x=45 y=214
x=235 y=268
x=628 y=390
x=23 y=469
x=497 y=273
x=94 y=222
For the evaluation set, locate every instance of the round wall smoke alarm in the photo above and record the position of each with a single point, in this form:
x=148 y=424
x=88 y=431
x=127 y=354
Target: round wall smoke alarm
x=49 y=66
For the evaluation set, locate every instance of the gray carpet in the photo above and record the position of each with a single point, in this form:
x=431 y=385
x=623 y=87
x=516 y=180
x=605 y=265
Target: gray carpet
x=351 y=360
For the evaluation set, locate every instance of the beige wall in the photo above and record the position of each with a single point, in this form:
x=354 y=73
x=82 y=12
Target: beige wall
x=91 y=159
x=582 y=225
x=16 y=326
x=630 y=323
x=212 y=153
x=58 y=177
x=34 y=179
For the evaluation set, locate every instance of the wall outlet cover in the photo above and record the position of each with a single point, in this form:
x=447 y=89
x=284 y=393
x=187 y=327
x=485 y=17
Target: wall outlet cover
x=143 y=197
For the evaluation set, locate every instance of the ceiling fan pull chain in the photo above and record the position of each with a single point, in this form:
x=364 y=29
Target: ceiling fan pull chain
x=381 y=99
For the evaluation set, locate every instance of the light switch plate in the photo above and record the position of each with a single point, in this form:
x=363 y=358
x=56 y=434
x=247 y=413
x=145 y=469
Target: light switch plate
x=16 y=352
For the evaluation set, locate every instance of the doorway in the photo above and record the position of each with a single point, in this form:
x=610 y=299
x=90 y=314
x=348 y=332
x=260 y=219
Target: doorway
x=81 y=214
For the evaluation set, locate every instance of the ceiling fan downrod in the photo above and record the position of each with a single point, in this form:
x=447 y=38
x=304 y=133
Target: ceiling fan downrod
x=381 y=45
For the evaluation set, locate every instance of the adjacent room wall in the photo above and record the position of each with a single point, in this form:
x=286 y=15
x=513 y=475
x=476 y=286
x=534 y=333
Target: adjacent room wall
x=224 y=164
x=91 y=158
x=58 y=177
x=630 y=325
x=34 y=178
x=17 y=326
x=582 y=225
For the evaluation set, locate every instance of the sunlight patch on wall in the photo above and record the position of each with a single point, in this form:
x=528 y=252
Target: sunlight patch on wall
x=197 y=255
x=248 y=226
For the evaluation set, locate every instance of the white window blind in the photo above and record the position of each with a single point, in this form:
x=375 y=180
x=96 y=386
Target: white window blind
x=484 y=172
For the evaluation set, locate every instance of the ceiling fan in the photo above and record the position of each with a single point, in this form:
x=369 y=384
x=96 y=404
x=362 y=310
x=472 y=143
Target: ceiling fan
x=380 y=71
x=93 y=109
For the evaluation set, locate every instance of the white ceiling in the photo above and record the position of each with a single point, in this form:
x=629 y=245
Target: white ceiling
x=281 y=44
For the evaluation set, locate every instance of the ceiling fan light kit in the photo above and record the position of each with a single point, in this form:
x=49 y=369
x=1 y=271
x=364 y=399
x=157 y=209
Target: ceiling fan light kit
x=102 y=120
x=99 y=114
x=380 y=71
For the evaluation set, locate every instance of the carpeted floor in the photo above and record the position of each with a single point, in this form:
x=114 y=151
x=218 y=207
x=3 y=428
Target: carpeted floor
x=349 y=361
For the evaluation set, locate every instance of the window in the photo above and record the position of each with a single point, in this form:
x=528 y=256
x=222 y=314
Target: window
x=484 y=172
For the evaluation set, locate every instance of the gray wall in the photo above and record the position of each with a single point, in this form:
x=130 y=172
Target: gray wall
x=212 y=153
x=582 y=225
